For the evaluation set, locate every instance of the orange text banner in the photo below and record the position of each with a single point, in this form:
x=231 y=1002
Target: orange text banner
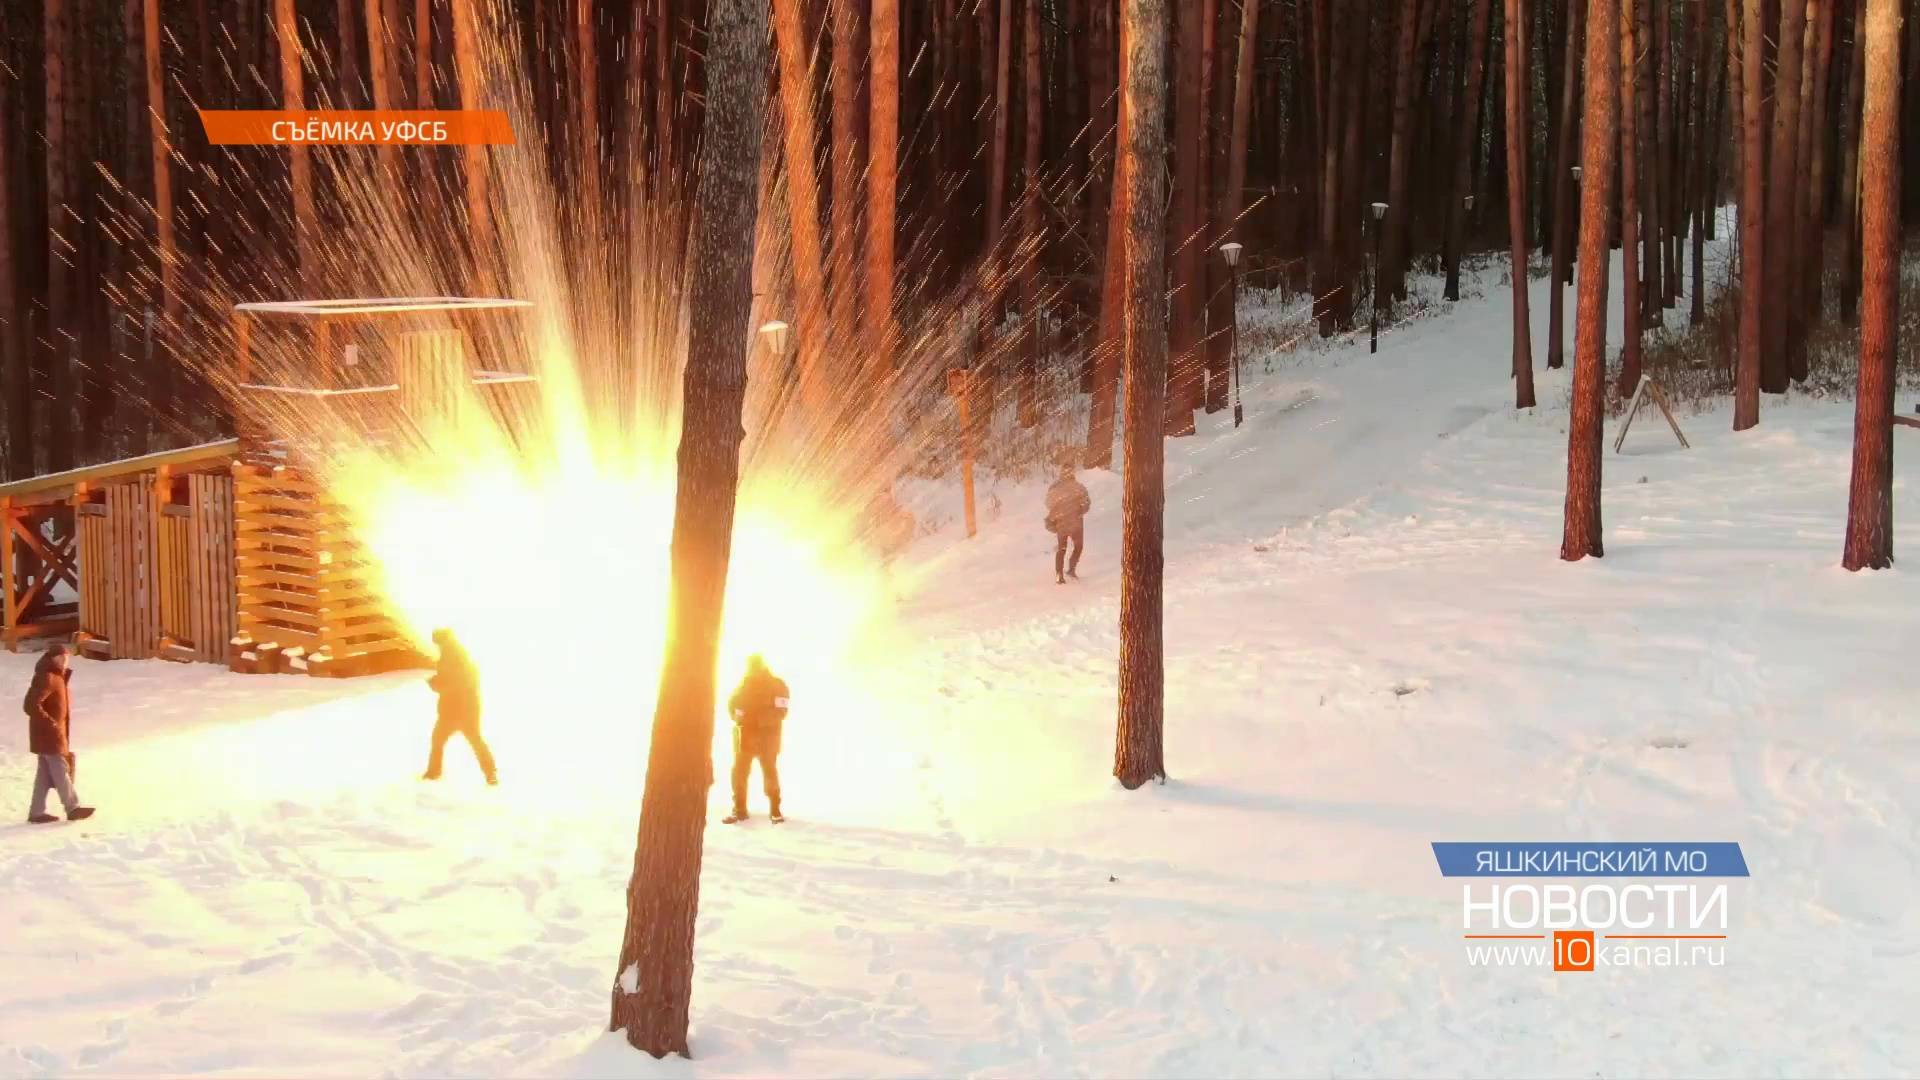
x=371 y=127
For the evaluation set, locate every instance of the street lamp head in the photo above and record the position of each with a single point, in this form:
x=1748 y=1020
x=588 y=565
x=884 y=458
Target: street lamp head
x=1379 y=211
x=1230 y=251
x=776 y=334
x=1576 y=174
x=1469 y=202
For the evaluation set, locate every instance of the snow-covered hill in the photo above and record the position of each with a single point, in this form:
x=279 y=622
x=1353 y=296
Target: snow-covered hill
x=1371 y=645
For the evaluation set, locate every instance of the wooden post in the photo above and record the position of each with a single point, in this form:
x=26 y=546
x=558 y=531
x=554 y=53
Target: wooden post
x=958 y=385
x=8 y=615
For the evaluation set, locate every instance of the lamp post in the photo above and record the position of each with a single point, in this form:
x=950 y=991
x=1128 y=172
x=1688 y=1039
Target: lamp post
x=1230 y=251
x=777 y=335
x=1379 y=215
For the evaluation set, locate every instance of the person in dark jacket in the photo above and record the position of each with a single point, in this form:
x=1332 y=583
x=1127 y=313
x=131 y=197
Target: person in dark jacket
x=759 y=706
x=1067 y=506
x=49 y=706
x=457 y=682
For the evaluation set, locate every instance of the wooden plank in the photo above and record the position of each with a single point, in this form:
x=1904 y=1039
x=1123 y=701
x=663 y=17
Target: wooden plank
x=7 y=619
x=1907 y=421
x=66 y=483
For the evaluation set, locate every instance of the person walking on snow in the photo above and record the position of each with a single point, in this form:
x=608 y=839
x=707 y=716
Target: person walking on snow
x=457 y=682
x=49 y=713
x=1067 y=506
x=758 y=707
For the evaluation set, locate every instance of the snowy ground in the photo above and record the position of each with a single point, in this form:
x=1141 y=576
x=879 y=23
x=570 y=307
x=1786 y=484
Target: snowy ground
x=1371 y=645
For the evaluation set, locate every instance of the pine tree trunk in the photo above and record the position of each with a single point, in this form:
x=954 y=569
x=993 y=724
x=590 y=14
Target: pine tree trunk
x=466 y=62
x=383 y=73
x=1643 y=98
x=653 y=982
x=1749 y=370
x=1031 y=228
x=1518 y=81
x=423 y=54
x=293 y=96
x=1816 y=131
x=1869 y=542
x=1393 y=269
x=1564 y=216
x=1002 y=117
x=16 y=375
x=1113 y=313
x=1189 y=134
x=1783 y=198
x=1600 y=138
x=795 y=49
x=1632 y=295
x=1804 y=195
x=587 y=161
x=883 y=139
x=159 y=372
x=1234 y=196
x=60 y=384
x=847 y=166
x=1661 y=173
x=1139 y=751
x=1466 y=141
x=1850 y=174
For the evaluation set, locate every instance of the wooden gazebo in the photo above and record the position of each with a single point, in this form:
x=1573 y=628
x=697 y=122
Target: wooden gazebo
x=233 y=552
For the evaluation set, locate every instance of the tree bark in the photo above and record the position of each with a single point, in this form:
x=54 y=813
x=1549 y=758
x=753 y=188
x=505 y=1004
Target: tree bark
x=848 y=163
x=382 y=76
x=1869 y=541
x=466 y=62
x=1814 y=135
x=1850 y=174
x=1471 y=108
x=159 y=371
x=1113 y=313
x=1644 y=98
x=1031 y=228
x=1783 y=197
x=795 y=50
x=1632 y=295
x=1749 y=370
x=586 y=107
x=1661 y=173
x=1233 y=202
x=1393 y=264
x=423 y=54
x=883 y=137
x=1563 y=187
x=1002 y=110
x=1189 y=134
x=292 y=97
x=16 y=375
x=1517 y=142
x=1600 y=137
x=1139 y=752
x=60 y=381
x=653 y=982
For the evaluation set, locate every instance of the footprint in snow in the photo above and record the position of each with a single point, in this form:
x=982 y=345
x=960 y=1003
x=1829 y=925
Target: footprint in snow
x=1667 y=742
x=1409 y=686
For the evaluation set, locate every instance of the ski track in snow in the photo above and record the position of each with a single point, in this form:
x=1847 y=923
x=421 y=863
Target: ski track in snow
x=1371 y=645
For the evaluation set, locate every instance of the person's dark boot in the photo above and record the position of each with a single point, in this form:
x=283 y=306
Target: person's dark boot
x=1060 y=579
x=739 y=814
x=80 y=813
x=776 y=815
x=42 y=819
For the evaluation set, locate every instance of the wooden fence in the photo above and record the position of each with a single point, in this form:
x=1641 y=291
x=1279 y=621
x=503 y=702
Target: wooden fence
x=197 y=584
x=119 y=601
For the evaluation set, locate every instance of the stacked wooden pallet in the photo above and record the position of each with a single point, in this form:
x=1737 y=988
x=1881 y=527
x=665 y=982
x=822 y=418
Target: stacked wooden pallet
x=305 y=597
